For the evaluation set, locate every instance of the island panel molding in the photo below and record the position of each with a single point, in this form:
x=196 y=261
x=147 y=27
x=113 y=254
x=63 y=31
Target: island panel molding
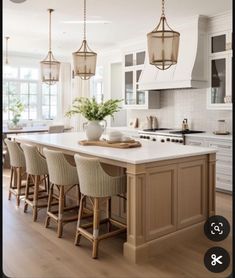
x=161 y=185
x=157 y=191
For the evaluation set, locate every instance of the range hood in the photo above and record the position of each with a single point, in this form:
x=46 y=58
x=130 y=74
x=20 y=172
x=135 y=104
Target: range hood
x=191 y=69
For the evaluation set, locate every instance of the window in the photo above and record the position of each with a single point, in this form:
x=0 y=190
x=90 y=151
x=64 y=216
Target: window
x=97 y=85
x=49 y=101
x=40 y=100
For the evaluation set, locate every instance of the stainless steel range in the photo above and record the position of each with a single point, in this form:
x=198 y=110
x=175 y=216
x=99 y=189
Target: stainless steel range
x=166 y=135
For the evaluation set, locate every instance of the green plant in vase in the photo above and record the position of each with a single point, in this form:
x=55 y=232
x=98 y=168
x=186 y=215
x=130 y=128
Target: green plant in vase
x=95 y=113
x=16 y=107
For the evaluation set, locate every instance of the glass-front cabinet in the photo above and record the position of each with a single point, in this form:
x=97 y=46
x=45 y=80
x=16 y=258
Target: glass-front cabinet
x=220 y=71
x=133 y=97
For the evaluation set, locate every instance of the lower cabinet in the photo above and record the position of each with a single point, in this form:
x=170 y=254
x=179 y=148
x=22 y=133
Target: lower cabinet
x=177 y=197
x=223 y=159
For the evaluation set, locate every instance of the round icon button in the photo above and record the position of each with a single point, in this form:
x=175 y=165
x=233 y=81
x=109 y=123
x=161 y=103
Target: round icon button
x=217 y=228
x=216 y=259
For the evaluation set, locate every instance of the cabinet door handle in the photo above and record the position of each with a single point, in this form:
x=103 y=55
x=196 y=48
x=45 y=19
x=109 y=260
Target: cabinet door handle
x=195 y=143
x=223 y=180
x=220 y=146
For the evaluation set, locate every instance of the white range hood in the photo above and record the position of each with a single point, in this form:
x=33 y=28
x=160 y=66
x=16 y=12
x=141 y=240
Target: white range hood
x=191 y=69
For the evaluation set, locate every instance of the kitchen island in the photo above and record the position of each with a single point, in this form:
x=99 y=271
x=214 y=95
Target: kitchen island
x=170 y=188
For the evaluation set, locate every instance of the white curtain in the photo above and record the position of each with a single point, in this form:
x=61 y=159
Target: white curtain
x=80 y=88
x=64 y=99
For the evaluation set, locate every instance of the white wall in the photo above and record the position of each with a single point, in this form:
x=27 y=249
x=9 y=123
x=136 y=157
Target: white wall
x=116 y=89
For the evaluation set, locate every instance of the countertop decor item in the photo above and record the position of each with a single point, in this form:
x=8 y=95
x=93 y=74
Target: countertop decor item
x=84 y=59
x=50 y=67
x=17 y=1
x=163 y=44
x=16 y=108
x=104 y=143
x=95 y=113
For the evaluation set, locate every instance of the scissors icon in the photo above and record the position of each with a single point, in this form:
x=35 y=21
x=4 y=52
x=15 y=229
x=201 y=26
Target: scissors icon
x=215 y=259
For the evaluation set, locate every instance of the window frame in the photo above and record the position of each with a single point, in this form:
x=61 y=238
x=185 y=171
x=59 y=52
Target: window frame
x=39 y=95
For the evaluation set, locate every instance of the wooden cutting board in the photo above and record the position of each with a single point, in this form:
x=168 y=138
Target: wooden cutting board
x=116 y=144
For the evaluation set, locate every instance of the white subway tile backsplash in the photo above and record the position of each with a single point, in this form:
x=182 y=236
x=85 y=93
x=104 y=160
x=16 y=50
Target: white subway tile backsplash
x=179 y=104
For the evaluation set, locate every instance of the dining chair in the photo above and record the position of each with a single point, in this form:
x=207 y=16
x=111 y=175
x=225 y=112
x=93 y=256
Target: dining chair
x=56 y=129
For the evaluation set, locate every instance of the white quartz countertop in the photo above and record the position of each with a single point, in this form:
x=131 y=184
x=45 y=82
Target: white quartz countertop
x=210 y=135
x=148 y=152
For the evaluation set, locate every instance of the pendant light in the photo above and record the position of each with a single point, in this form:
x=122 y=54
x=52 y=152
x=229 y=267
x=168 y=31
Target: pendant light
x=84 y=59
x=163 y=44
x=50 y=67
x=6 y=60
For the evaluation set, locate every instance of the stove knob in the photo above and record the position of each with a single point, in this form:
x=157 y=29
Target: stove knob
x=162 y=140
x=172 y=140
x=168 y=139
x=147 y=137
x=141 y=136
x=177 y=141
x=154 y=139
x=181 y=141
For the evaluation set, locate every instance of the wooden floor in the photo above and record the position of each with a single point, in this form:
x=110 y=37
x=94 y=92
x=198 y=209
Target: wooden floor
x=30 y=250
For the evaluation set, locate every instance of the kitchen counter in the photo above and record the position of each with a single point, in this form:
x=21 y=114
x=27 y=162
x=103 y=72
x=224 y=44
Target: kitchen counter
x=148 y=152
x=211 y=135
x=170 y=188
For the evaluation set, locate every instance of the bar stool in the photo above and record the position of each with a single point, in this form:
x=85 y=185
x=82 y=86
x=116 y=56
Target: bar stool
x=96 y=184
x=36 y=169
x=17 y=163
x=64 y=176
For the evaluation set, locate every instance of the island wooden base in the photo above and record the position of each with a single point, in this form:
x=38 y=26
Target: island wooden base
x=168 y=201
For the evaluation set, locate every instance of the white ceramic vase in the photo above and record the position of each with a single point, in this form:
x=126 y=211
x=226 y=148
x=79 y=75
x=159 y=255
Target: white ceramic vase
x=94 y=130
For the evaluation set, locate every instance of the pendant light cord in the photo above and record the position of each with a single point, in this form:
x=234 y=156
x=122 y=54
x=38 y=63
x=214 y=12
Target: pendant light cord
x=84 y=20
x=50 y=11
x=163 y=8
x=7 y=38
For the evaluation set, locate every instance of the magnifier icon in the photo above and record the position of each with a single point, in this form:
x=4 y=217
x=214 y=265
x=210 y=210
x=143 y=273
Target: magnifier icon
x=216 y=228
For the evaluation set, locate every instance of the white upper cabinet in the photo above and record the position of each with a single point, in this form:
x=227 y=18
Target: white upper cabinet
x=134 y=98
x=220 y=63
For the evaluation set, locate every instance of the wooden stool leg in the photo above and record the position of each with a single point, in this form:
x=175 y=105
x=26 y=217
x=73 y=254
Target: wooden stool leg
x=108 y=214
x=95 y=228
x=78 y=235
x=79 y=198
x=45 y=183
x=26 y=192
x=18 y=175
x=50 y=198
x=35 y=198
x=60 y=212
x=11 y=180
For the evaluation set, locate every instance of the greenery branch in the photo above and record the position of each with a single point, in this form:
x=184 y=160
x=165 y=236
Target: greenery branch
x=92 y=110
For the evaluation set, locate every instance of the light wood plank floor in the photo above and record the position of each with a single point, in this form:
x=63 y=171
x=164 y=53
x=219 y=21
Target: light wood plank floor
x=31 y=251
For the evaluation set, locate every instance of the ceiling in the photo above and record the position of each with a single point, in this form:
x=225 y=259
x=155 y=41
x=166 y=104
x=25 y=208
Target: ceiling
x=118 y=20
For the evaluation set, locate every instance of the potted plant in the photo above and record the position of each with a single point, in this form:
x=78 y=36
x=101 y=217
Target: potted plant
x=95 y=113
x=16 y=107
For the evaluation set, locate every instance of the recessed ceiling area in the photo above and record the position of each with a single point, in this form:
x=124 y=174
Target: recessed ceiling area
x=110 y=22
